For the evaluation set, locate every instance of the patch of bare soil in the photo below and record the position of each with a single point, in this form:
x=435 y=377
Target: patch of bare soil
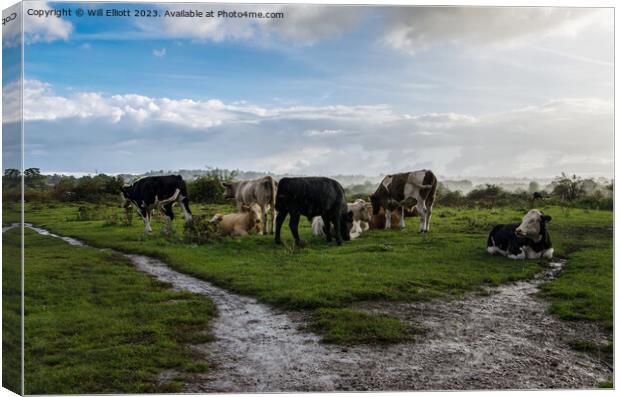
x=506 y=340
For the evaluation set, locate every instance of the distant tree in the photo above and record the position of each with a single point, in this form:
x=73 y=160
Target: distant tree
x=533 y=187
x=33 y=178
x=568 y=188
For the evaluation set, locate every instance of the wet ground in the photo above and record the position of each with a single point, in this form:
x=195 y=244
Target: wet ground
x=504 y=340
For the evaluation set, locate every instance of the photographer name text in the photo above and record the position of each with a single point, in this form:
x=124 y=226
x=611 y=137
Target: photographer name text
x=150 y=13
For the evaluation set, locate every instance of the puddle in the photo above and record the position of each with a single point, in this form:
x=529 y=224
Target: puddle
x=506 y=340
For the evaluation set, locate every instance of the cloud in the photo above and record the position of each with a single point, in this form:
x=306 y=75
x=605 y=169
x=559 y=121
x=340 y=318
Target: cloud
x=37 y=28
x=538 y=140
x=415 y=29
x=300 y=25
x=159 y=53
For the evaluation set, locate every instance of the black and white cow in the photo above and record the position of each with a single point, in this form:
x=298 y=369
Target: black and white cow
x=529 y=239
x=312 y=196
x=396 y=191
x=153 y=192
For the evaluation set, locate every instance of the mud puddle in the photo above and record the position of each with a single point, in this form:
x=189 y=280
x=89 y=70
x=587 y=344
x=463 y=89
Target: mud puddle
x=502 y=341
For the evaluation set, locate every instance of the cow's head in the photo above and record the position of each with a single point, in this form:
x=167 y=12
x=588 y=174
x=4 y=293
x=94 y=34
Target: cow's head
x=230 y=189
x=125 y=197
x=360 y=210
x=254 y=216
x=375 y=201
x=532 y=225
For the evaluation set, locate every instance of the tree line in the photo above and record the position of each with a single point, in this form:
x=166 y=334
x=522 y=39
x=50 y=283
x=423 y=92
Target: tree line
x=570 y=190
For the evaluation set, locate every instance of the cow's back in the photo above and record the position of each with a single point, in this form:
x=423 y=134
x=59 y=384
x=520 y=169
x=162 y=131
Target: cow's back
x=310 y=195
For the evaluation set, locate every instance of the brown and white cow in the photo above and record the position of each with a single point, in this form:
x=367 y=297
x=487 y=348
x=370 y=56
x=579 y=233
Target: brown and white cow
x=396 y=191
x=261 y=191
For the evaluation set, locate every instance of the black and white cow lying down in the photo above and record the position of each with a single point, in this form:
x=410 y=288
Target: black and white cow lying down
x=529 y=239
x=153 y=192
x=312 y=196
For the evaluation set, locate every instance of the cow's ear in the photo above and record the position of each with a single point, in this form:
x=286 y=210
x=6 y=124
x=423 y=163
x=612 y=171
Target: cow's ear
x=546 y=218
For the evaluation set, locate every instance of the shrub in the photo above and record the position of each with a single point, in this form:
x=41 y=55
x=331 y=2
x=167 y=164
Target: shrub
x=200 y=230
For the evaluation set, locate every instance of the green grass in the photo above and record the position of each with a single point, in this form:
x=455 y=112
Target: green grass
x=350 y=327
x=95 y=325
x=381 y=265
x=11 y=311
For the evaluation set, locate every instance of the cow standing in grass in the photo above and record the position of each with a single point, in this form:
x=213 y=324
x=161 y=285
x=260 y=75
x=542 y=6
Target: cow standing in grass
x=396 y=192
x=312 y=196
x=153 y=192
x=261 y=191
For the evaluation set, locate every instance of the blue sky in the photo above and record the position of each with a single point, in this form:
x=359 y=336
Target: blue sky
x=326 y=90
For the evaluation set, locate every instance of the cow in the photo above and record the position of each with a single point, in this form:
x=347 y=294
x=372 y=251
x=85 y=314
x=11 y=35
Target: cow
x=239 y=224
x=260 y=191
x=359 y=220
x=529 y=239
x=312 y=196
x=395 y=192
x=378 y=221
x=151 y=192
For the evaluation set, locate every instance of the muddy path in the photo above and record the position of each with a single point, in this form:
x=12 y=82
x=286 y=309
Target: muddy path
x=505 y=340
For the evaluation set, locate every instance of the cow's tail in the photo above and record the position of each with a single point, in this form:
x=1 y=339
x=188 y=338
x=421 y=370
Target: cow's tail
x=272 y=185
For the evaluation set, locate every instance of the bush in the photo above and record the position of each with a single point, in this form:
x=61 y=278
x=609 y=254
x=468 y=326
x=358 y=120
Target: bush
x=209 y=188
x=200 y=230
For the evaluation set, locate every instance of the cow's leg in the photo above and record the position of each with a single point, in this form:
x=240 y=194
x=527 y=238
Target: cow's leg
x=263 y=215
x=388 y=219
x=167 y=209
x=337 y=226
x=423 y=212
x=184 y=204
x=402 y=217
x=293 y=224
x=272 y=210
x=429 y=212
x=327 y=224
x=279 y=221
x=548 y=254
x=145 y=213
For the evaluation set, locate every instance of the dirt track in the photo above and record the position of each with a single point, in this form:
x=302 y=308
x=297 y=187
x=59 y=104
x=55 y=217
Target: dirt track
x=505 y=340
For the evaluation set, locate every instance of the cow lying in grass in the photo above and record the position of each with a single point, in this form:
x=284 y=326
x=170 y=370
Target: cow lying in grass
x=358 y=217
x=260 y=191
x=528 y=240
x=377 y=221
x=239 y=224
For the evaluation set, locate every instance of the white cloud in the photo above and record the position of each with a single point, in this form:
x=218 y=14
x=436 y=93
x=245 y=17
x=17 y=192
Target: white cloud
x=159 y=53
x=36 y=28
x=416 y=29
x=301 y=24
x=567 y=134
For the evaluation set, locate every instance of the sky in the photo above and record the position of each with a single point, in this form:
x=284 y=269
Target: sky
x=326 y=90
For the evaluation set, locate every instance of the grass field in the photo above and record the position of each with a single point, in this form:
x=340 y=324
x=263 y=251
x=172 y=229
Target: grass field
x=95 y=325
x=381 y=265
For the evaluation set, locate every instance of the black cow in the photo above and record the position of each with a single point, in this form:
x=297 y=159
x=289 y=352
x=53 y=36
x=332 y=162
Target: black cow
x=312 y=196
x=157 y=192
x=529 y=239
